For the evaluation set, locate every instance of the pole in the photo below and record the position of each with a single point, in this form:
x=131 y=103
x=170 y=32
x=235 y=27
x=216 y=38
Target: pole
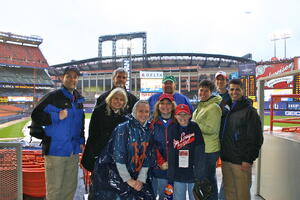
x=274 y=48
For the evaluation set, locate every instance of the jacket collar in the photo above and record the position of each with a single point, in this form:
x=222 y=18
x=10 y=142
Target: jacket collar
x=240 y=104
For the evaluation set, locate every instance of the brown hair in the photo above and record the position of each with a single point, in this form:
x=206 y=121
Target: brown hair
x=157 y=113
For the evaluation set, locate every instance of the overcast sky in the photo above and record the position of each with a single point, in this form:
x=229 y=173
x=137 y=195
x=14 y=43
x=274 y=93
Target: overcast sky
x=70 y=28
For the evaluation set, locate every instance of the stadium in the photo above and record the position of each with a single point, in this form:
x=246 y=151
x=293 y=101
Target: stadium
x=26 y=76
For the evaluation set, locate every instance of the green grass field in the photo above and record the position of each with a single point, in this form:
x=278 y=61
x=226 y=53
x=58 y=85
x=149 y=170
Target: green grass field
x=267 y=121
x=15 y=130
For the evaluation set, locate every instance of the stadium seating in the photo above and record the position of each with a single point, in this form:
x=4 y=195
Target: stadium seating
x=24 y=76
x=22 y=55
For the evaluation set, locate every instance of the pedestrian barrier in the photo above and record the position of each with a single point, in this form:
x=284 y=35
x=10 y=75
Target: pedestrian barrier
x=10 y=171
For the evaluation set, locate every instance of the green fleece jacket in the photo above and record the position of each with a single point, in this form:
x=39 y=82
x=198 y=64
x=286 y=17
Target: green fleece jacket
x=208 y=117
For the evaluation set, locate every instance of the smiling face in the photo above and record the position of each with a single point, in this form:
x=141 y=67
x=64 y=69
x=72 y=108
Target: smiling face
x=235 y=92
x=204 y=93
x=220 y=82
x=70 y=80
x=183 y=118
x=165 y=106
x=120 y=79
x=142 y=112
x=169 y=87
x=117 y=101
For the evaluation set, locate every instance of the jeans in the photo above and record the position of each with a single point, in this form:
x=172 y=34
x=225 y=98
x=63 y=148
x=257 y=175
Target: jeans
x=210 y=172
x=222 y=192
x=158 y=185
x=180 y=189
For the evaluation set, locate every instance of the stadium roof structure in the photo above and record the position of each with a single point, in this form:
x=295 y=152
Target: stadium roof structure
x=154 y=61
x=32 y=40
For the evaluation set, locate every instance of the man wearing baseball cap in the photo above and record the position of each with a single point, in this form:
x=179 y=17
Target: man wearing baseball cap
x=60 y=114
x=221 y=80
x=169 y=87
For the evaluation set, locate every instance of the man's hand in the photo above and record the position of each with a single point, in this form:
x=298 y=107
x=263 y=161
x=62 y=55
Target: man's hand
x=63 y=114
x=164 y=166
x=246 y=166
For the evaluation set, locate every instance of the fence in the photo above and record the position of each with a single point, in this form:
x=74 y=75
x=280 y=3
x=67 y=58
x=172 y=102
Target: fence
x=11 y=187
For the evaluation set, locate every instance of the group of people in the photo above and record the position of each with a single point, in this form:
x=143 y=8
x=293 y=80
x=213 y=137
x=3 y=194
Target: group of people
x=136 y=149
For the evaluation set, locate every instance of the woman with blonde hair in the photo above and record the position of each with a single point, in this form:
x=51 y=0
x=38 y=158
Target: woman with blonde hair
x=105 y=118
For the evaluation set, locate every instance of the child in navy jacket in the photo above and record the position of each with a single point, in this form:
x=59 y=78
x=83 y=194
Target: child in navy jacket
x=185 y=153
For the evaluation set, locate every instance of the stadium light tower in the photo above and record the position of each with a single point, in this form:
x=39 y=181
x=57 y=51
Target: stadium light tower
x=285 y=35
x=274 y=38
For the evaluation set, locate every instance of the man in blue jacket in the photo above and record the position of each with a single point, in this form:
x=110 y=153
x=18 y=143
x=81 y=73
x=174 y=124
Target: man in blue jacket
x=61 y=115
x=169 y=87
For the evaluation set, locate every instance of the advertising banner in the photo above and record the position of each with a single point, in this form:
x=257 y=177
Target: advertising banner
x=247 y=69
x=272 y=69
x=151 y=82
x=20 y=99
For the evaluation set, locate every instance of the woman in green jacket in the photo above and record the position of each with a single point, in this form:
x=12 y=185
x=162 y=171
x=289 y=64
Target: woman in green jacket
x=208 y=116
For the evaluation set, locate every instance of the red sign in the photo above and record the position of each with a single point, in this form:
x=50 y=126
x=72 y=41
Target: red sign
x=269 y=70
x=273 y=69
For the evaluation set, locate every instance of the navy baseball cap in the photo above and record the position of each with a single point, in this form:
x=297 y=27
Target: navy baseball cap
x=73 y=69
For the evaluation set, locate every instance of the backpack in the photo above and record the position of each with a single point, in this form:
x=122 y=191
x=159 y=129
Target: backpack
x=36 y=131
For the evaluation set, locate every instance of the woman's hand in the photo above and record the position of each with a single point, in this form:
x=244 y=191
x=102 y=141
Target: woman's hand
x=137 y=185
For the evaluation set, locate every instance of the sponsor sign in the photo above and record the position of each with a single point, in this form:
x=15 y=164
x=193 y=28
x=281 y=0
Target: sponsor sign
x=277 y=106
x=20 y=99
x=284 y=113
x=151 y=82
x=127 y=67
x=293 y=105
x=273 y=69
x=155 y=75
x=3 y=99
x=145 y=96
x=247 y=69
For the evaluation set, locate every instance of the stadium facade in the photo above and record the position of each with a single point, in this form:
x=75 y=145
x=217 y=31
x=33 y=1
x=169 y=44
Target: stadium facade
x=188 y=68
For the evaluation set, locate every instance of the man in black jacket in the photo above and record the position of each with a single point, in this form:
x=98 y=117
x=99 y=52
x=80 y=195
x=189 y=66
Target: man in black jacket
x=119 y=77
x=241 y=140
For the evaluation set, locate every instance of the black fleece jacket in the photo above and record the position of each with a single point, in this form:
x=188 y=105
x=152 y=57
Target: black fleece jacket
x=241 y=133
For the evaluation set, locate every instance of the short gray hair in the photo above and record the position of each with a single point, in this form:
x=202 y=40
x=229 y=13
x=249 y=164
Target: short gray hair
x=133 y=113
x=119 y=70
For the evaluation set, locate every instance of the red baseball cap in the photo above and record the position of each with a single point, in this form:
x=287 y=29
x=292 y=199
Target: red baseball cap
x=166 y=96
x=182 y=108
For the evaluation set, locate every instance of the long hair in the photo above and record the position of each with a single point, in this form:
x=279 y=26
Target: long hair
x=157 y=113
x=116 y=91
